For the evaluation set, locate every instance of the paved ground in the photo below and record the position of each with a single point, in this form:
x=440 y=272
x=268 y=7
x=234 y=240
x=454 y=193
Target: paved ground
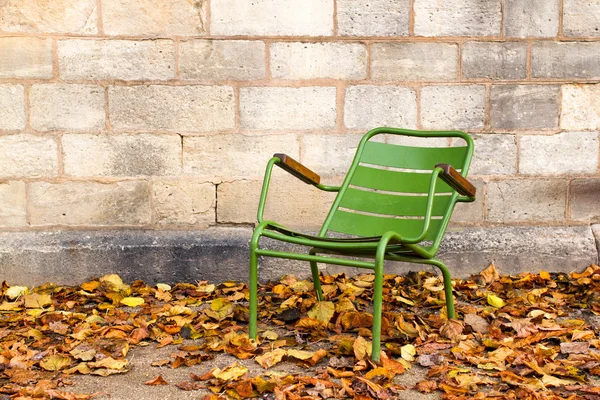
x=131 y=384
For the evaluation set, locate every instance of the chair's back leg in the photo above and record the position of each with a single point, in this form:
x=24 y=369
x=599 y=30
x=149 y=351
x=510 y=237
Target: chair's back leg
x=315 y=275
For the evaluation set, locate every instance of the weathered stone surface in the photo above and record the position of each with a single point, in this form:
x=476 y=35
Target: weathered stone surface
x=453 y=107
x=272 y=17
x=581 y=18
x=414 y=61
x=221 y=254
x=25 y=57
x=182 y=108
x=297 y=60
x=222 y=59
x=524 y=107
x=56 y=16
x=583 y=201
x=566 y=60
x=121 y=155
x=268 y=108
x=368 y=106
x=183 y=202
x=458 y=18
x=12 y=107
x=60 y=106
x=373 y=18
x=290 y=202
x=494 y=60
x=329 y=154
x=154 y=17
x=471 y=212
x=516 y=249
x=563 y=153
x=28 y=156
x=116 y=59
x=12 y=204
x=531 y=18
x=495 y=154
x=234 y=155
x=526 y=200
x=580 y=107
x=89 y=203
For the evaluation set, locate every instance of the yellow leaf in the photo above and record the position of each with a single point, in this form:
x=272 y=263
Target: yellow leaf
x=82 y=368
x=90 y=286
x=16 y=291
x=55 y=362
x=344 y=304
x=269 y=335
x=132 y=301
x=495 y=301
x=271 y=358
x=230 y=373
x=545 y=275
x=114 y=283
x=408 y=352
x=36 y=300
x=362 y=348
x=322 y=311
x=550 y=380
x=10 y=306
x=109 y=363
x=163 y=286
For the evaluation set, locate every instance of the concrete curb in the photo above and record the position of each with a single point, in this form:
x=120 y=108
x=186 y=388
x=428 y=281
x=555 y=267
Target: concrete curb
x=220 y=254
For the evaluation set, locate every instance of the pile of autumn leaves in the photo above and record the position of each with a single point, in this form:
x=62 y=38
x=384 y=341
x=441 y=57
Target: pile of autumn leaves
x=528 y=336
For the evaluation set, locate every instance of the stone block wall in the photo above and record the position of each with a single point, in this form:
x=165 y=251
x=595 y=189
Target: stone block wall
x=161 y=114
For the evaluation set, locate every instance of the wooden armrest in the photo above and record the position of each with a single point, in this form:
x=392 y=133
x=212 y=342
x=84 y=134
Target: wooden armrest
x=456 y=181
x=298 y=170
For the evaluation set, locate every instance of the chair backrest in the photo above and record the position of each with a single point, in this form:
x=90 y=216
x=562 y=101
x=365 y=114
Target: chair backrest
x=387 y=185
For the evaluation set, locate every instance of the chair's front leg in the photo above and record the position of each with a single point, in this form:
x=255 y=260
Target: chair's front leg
x=377 y=308
x=252 y=318
x=447 y=287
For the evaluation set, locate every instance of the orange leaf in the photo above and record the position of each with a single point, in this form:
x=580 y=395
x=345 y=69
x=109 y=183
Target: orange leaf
x=159 y=380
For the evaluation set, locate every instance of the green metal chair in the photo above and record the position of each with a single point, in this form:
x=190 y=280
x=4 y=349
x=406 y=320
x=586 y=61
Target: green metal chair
x=391 y=206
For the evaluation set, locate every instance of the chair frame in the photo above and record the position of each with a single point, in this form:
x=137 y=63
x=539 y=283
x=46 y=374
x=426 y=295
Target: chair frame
x=371 y=247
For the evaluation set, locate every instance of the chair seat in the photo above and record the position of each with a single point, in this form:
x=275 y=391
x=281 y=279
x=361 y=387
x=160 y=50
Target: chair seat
x=359 y=246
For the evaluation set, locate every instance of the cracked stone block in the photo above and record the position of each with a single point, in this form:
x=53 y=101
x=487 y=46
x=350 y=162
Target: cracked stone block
x=183 y=202
x=154 y=17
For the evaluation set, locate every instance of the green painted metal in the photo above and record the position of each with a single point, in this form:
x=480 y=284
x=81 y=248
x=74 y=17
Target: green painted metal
x=395 y=181
x=419 y=209
x=388 y=204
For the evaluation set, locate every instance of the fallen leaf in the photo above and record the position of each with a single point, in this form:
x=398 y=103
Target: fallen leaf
x=132 y=301
x=479 y=324
x=16 y=291
x=495 y=301
x=159 y=380
x=408 y=352
x=231 y=373
x=55 y=362
x=322 y=311
x=268 y=359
